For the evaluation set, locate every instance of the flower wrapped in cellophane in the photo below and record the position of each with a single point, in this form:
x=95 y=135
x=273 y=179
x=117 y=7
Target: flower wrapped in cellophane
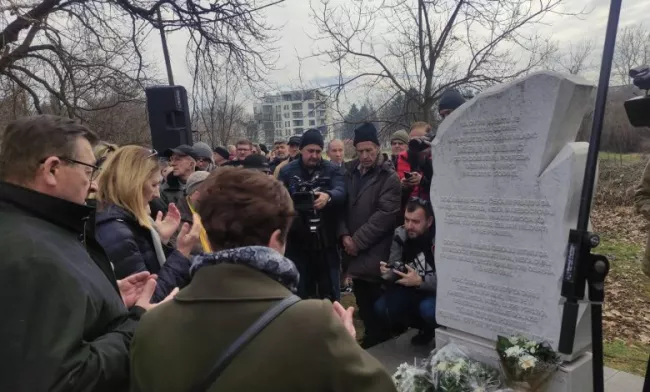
x=526 y=364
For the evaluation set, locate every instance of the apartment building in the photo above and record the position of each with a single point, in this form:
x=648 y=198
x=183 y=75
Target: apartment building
x=283 y=115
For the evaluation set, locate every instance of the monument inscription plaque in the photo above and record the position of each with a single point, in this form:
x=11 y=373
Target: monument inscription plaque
x=505 y=192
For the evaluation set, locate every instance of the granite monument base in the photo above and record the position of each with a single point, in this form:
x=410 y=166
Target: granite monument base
x=574 y=376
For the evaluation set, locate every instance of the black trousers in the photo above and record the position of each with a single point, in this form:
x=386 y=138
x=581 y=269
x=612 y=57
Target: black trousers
x=320 y=273
x=366 y=294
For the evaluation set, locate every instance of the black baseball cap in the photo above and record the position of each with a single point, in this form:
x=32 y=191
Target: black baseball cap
x=183 y=150
x=295 y=140
x=256 y=162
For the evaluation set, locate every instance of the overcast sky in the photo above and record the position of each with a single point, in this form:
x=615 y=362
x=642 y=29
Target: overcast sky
x=296 y=25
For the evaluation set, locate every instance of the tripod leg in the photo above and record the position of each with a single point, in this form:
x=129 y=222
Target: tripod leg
x=597 y=346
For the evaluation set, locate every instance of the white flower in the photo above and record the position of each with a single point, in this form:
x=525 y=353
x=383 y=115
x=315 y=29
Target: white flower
x=442 y=366
x=532 y=350
x=527 y=361
x=514 y=351
x=514 y=340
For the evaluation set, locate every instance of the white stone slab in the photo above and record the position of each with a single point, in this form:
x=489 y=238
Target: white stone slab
x=506 y=187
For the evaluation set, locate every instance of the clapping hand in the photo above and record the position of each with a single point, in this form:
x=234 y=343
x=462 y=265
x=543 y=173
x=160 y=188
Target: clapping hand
x=132 y=286
x=346 y=317
x=189 y=236
x=167 y=226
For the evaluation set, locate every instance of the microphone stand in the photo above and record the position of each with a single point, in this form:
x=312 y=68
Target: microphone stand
x=582 y=267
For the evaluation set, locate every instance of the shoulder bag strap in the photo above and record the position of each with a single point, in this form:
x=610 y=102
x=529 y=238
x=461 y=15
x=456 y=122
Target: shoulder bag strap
x=242 y=341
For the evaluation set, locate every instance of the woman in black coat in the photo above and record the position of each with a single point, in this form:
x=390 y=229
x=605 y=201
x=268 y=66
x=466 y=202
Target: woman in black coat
x=134 y=242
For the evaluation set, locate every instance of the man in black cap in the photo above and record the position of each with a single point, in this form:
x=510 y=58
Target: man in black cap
x=256 y=162
x=220 y=156
x=366 y=226
x=312 y=246
x=183 y=161
x=450 y=100
x=294 y=152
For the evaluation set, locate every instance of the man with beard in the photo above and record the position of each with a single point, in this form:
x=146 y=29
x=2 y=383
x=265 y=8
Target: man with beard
x=281 y=154
x=313 y=246
x=294 y=151
x=410 y=300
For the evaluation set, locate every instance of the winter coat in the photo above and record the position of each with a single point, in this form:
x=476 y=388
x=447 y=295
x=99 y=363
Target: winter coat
x=172 y=190
x=370 y=216
x=299 y=234
x=64 y=326
x=130 y=248
x=275 y=163
x=416 y=255
x=642 y=204
x=305 y=349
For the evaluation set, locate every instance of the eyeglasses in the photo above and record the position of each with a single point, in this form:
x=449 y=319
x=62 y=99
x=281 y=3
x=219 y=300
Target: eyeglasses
x=152 y=153
x=92 y=174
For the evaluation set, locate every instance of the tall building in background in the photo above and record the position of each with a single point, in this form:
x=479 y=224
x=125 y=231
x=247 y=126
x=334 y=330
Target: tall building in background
x=283 y=115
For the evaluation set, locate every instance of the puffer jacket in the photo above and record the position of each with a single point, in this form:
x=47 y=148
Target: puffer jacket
x=130 y=248
x=370 y=217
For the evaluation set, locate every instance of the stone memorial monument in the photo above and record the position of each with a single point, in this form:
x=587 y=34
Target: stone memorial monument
x=505 y=191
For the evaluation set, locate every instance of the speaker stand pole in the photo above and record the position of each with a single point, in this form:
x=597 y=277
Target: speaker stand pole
x=168 y=64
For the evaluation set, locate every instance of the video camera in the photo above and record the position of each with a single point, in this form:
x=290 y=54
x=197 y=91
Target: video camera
x=303 y=199
x=638 y=108
x=420 y=144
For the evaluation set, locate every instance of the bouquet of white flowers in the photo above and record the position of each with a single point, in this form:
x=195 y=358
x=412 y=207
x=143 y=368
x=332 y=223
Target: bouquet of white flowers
x=449 y=369
x=526 y=364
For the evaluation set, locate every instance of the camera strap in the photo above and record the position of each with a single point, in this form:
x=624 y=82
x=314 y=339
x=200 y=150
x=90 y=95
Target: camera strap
x=242 y=341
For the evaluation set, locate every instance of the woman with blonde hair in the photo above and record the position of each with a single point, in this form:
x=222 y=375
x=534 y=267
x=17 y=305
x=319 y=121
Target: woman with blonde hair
x=102 y=151
x=134 y=242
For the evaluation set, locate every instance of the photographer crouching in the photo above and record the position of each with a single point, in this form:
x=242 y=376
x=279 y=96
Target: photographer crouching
x=317 y=189
x=410 y=298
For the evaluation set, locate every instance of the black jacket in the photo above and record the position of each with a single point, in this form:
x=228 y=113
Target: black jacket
x=172 y=190
x=299 y=234
x=64 y=326
x=130 y=248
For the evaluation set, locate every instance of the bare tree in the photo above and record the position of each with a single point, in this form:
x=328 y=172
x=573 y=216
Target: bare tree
x=82 y=51
x=632 y=50
x=420 y=48
x=577 y=59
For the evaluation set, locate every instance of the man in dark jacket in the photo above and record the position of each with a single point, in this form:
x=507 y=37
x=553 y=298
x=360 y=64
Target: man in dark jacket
x=410 y=298
x=65 y=326
x=281 y=154
x=367 y=225
x=315 y=253
x=183 y=159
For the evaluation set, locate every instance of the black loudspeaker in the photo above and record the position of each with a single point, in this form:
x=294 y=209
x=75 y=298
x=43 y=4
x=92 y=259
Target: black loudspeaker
x=169 y=117
x=638 y=111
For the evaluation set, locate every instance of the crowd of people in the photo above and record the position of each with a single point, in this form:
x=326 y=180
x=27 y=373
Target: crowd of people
x=126 y=268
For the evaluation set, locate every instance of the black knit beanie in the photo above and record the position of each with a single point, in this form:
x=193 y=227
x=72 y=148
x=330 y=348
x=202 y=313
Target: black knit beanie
x=366 y=133
x=223 y=152
x=312 y=136
x=450 y=100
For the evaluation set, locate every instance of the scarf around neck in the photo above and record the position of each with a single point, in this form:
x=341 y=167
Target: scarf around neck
x=261 y=258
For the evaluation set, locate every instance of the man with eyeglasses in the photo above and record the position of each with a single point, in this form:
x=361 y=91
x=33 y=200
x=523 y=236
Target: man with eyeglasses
x=244 y=149
x=183 y=161
x=66 y=322
x=204 y=159
x=410 y=299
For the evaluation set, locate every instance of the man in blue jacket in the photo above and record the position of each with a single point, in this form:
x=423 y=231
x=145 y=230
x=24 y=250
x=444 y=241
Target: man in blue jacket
x=311 y=243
